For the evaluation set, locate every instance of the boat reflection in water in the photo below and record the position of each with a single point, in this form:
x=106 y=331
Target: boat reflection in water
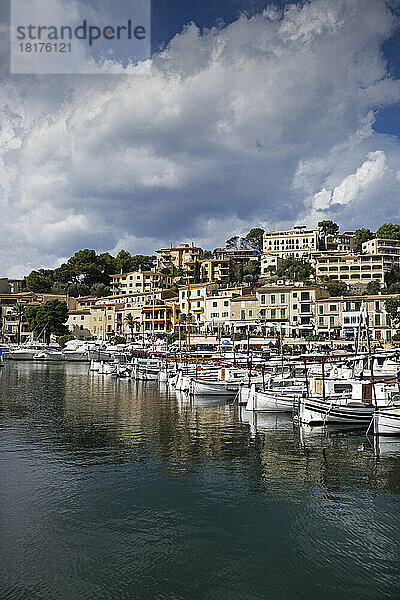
x=263 y=422
x=386 y=446
x=116 y=488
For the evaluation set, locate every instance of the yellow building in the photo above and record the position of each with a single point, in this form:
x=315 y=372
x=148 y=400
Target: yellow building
x=180 y=257
x=138 y=281
x=352 y=268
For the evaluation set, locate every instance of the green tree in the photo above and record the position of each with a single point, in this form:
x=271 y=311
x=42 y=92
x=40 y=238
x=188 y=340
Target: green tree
x=86 y=267
x=99 y=290
x=394 y=288
x=231 y=272
x=295 y=269
x=392 y=276
x=389 y=231
x=240 y=273
x=251 y=271
x=233 y=243
x=49 y=317
x=63 y=339
x=196 y=272
x=373 y=287
x=392 y=307
x=39 y=281
x=207 y=254
x=107 y=266
x=337 y=288
x=125 y=262
x=65 y=274
x=254 y=239
x=328 y=228
x=360 y=236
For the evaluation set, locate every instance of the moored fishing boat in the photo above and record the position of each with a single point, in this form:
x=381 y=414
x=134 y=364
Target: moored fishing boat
x=387 y=420
x=354 y=405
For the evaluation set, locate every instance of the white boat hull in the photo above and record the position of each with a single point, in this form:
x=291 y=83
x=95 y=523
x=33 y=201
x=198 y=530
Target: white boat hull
x=316 y=411
x=204 y=388
x=387 y=421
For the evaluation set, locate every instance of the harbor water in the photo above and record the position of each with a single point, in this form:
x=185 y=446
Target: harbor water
x=113 y=489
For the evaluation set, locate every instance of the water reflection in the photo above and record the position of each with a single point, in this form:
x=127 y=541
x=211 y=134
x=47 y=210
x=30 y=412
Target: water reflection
x=120 y=489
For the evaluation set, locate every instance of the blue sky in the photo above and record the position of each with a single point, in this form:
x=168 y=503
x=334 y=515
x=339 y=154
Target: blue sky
x=253 y=115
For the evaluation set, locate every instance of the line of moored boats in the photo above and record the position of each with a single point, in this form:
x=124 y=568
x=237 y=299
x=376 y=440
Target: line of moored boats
x=362 y=390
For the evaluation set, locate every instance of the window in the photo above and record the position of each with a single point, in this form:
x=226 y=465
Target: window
x=250 y=313
x=273 y=313
x=348 y=305
x=377 y=305
x=388 y=320
x=331 y=321
x=226 y=303
x=320 y=310
x=283 y=313
x=198 y=292
x=305 y=296
x=282 y=298
x=333 y=307
x=198 y=304
x=183 y=294
x=215 y=304
x=357 y=305
x=377 y=319
x=243 y=315
x=225 y=314
x=214 y=315
x=294 y=306
x=272 y=298
x=263 y=313
x=262 y=298
x=321 y=321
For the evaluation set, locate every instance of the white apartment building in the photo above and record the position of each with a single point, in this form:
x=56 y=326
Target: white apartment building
x=244 y=313
x=270 y=262
x=195 y=304
x=138 y=281
x=389 y=248
x=289 y=309
x=339 y=318
x=298 y=242
x=217 y=313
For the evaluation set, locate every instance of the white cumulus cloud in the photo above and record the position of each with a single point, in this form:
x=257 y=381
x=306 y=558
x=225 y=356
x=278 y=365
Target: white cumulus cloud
x=267 y=120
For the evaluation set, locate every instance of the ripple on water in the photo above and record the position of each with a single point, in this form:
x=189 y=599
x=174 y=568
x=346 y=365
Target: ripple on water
x=118 y=490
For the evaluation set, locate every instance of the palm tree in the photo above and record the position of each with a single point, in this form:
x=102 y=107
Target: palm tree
x=130 y=321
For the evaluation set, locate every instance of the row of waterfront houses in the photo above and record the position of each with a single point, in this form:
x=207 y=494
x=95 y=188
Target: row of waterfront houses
x=153 y=303
x=291 y=311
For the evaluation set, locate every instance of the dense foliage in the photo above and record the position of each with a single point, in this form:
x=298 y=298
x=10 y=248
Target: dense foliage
x=360 y=236
x=328 y=228
x=337 y=288
x=389 y=231
x=254 y=239
x=392 y=307
x=295 y=269
x=86 y=273
x=49 y=318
